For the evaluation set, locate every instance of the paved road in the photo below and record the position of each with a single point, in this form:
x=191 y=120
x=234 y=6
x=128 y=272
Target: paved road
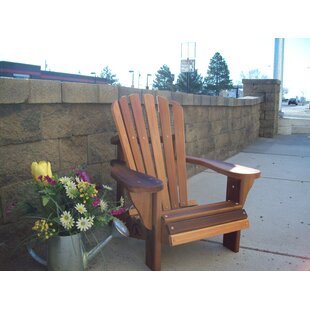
x=299 y=111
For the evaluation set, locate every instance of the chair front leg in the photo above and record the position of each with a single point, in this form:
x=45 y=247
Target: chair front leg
x=231 y=241
x=153 y=239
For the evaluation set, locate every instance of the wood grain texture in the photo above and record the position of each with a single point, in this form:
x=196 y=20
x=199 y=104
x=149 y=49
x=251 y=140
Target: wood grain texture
x=228 y=169
x=142 y=134
x=205 y=221
x=168 y=150
x=207 y=232
x=178 y=120
x=118 y=120
x=149 y=103
x=131 y=133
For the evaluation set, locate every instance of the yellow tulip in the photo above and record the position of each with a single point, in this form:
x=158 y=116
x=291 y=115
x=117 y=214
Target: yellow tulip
x=41 y=168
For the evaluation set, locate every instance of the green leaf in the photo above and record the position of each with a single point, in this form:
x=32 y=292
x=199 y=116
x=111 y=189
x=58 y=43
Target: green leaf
x=45 y=200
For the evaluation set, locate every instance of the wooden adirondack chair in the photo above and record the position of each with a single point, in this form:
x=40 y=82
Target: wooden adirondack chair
x=154 y=174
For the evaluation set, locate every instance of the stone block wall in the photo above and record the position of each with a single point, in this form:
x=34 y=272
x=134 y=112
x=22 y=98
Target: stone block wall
x=269 y=113
x=71 y=124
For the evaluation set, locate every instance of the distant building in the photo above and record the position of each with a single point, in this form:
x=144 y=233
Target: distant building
x=25 y=71
x=235 y=92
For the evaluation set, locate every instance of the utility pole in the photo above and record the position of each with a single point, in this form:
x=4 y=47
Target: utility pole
x=278 y=65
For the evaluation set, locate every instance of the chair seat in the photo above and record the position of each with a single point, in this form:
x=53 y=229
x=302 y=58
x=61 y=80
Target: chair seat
x=202 y=227
x=206 y=221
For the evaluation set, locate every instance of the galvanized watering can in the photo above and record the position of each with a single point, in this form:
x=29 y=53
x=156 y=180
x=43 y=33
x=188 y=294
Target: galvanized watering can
x=68 y=253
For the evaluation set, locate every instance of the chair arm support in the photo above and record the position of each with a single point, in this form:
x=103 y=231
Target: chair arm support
x=228 y=169
x=134 y=181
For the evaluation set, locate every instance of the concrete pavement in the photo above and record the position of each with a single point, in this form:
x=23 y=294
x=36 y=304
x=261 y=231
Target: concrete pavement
x=278 y=207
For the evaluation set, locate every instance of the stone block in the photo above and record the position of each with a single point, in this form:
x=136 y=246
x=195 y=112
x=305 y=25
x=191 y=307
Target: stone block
x=100 y=149
x=79 y=93
x=196 y=131
x=125 y=91
x=95 y=172
x=73 y=152
x=270 y=115
x=14 y=194
x=107 y=93
x=216 y=127
x=42 y=91
x=217 y=113
x=187 y=99
x=92 y=119
x=164 y=93
x=57 y=120
x=214 y=100
x=206 y=100
x=148 y=91
x=221 y=141
x=19 y=123
x=197 y=99
x=16 y=159
x=195 y=114
x=178 y=96
x=231 y=102
x=14 y=91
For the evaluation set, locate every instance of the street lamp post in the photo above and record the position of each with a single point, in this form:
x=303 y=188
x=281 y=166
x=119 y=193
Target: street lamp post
x=147 y=80
x=133 y=78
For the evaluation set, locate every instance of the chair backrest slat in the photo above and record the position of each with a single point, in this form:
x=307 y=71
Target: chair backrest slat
x=131 y=132
x=119 y=123
x=149 y=103
x=142 y=134
x=145 y=151
x=178 y=120
x=165 y=121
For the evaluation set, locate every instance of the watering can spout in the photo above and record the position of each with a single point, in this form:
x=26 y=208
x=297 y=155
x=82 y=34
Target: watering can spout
x=119 y=230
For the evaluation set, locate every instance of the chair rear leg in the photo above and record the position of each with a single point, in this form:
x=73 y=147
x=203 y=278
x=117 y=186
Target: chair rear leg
x=232 y=241
x=153 y=251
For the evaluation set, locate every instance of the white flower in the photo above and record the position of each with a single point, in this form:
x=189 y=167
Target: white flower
x=77 y=180
x=80 y=208
x=103 y=205
x=71 y=190
x=67 y=220
x=91 y=219
x=84 y=223
x=107 y=187
x=65 y=180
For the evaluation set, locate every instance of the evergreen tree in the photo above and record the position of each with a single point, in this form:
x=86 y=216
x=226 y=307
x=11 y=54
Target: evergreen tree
x=164 y=79
x=107 y=74
x=190 y=82
x=217 y=78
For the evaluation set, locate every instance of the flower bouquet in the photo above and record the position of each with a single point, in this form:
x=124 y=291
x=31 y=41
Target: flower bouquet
x=69 y=204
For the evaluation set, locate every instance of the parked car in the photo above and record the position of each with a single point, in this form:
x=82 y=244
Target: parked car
x=293 y=101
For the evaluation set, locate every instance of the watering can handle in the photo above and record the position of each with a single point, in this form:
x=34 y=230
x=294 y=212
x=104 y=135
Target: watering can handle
x=35 y=256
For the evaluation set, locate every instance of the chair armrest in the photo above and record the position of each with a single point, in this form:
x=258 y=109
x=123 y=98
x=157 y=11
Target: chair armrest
x=134 y=181
x=230 y=170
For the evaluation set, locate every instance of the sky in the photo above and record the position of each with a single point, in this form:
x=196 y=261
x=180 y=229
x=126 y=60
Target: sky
x=142 y=35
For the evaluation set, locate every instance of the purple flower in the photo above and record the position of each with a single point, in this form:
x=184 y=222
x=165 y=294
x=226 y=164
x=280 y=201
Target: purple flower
x=118 y=212
x=83 y=176
x=96 y=202
x=50 y=180
x=99 y=187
